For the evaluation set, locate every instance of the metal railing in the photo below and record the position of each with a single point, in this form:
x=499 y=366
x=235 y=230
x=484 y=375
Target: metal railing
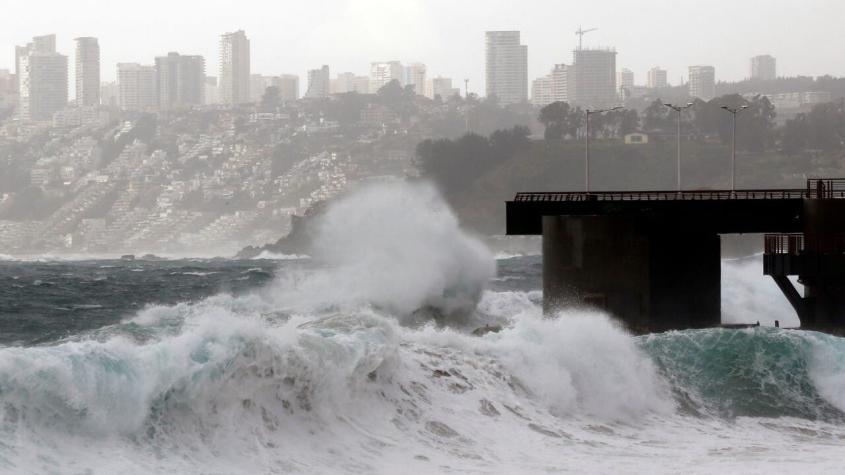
x=825 y=188
x=702 y=195
x=797 y=244
x=817 y=188
x=792 y=244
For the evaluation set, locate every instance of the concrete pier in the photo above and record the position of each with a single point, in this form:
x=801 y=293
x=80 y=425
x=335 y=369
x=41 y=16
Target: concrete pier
x=653 y=259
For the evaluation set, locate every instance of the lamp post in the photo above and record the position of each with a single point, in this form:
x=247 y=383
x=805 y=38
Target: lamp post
x=679 y=110
x=734 y=111
x=587 y=147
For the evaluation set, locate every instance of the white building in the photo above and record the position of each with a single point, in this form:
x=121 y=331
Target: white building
x=506 y=67
x=43 y=79
x=87 y=71
x=657 y=78
x=384 y=72
x=234 y=68
x=349 y=82
x=415 y=76
x=319 y=81
x=764 y=67
x=625 y=82
x=541 y=91
x=702 y=82
x=288 y=85
x=554 y=87
x=136 y=85
x=442 y=87
x=562 y=83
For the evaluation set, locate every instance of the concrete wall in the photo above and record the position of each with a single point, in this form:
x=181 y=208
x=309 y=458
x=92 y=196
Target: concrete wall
x=652 y=278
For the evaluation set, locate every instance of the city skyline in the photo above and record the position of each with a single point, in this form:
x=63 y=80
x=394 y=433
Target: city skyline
x=449 y=44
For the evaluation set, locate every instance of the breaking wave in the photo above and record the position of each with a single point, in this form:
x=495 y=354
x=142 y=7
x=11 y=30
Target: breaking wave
x=324 y=370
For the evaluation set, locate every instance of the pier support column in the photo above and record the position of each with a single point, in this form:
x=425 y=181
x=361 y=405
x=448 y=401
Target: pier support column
x=686 y=280
x=649 y=277
x=824 y=275
x=598 y=261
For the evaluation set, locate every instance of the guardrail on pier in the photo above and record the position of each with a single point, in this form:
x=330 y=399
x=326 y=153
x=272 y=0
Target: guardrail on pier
x=797 y=244
x=817 y=188
x=825 y=188
x=667 y=195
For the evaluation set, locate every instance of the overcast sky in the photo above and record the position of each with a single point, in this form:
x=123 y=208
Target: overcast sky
x=806 y=36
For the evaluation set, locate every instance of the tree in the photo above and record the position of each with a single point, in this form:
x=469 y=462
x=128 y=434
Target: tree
x=455 y=164
x=398 y=99
x=657 y=118
x=553 y=117
x=628 y=121
x=561 y=120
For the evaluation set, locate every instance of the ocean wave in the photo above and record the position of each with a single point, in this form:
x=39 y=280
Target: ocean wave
x=228 y=382
x=323 y=370
x=273 y=256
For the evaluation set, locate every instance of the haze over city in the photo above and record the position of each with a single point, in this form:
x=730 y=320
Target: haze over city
x=292 y=37
x=390 y=236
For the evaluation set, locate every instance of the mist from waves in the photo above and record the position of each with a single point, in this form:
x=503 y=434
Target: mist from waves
x=364 y=362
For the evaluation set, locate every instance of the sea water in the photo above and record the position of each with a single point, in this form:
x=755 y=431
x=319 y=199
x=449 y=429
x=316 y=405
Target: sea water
x=362 y=359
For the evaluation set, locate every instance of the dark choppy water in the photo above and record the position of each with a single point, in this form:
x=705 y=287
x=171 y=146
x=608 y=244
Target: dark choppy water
x=45 y=301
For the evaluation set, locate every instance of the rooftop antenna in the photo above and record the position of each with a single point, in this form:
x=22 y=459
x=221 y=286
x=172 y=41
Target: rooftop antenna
x=581 y=32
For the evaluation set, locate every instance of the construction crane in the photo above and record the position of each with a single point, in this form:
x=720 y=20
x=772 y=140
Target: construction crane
x=581 y=32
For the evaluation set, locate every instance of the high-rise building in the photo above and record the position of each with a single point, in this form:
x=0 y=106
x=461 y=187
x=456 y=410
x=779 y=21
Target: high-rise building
x=763 y=67
x=319 y=81
x=44 y=44
x=415 y=76
x=553 y=87
x=349 y=82
x=234 y=68
x=180 y=81
x=384 y=72
x=702 y=82
x=288 y=85
x=40 y=44
x=506 y=71
x=541 y=91
x=42 y=79
x=595 y=78
x=657 y=78
x=136 y=87
x=443 y=87
x=625 y=81
x=561 y=83
x=87 y=72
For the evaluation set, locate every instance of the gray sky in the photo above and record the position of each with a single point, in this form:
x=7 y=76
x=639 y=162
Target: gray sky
x=806 y=36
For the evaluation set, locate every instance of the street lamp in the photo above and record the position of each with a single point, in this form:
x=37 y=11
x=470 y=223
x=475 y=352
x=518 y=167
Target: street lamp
x=679 y=110
x=734 y=111
x=587 y=148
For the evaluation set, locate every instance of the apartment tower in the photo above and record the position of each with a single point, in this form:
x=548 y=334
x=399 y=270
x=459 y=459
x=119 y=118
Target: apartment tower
x=506 y=67
x=234 y=68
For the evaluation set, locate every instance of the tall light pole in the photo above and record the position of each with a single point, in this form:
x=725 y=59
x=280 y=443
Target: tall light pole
x=734 y=111
x=587 y=147
x=679 y=110
x=466 y=97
